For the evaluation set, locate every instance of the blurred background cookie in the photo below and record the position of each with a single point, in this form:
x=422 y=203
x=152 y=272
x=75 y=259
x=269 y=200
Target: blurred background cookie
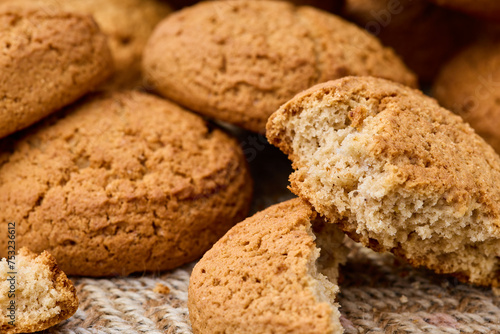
x=122 y=183
x=423 y=34
x=486 y=9
x=275 y=272
x=329 y=5
x=48 y=60
x=238 y=61
x=127 y=23
x=469 y=85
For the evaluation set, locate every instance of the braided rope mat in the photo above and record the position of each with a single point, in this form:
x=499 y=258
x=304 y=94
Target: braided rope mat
x=378 y=293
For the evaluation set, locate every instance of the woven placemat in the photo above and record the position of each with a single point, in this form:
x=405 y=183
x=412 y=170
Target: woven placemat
x=378 y=293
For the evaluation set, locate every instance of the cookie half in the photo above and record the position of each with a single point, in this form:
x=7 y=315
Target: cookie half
x=48 y=60
x=267 y=275
x=43 y=295
x=407 y=175
x=469 y=85
x=127 y=23
x=122 y=183
x=238 y=61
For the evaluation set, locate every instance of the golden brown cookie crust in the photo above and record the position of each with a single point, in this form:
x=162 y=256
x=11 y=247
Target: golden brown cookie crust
x=411 y=177
x=238 y=61
x=122 y=183
x=48 y=60
x=256 y=279
x=468 y=85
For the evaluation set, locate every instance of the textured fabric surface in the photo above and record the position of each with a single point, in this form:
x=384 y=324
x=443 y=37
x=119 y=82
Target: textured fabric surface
x=378 y=293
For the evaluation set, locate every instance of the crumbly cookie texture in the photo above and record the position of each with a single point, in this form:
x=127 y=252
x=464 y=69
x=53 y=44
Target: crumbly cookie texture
x=44 y=296
x=127 y=23
x=123 y=182
x=486 y=9
x=468 y=85
x=48 y=60
x=267 y=275
x=409 y=176
x=435 y=33
x=238 y=61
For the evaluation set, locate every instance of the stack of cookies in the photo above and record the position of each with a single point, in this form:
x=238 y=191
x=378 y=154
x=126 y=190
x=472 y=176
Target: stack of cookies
x=123 y=127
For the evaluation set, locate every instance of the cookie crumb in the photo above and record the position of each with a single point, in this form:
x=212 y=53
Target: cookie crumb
x=357 y=116
x=161 y=288
x=403 y=299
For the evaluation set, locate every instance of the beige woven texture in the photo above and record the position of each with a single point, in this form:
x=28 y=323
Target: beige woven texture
x=378 y=294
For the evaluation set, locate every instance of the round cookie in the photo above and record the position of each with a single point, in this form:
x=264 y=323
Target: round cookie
x=487 y=9
x=406 y=175
x=122 y=183
x=48 y=60
x=435 y=33
x=469 y=86
x=127 y=23
x=266 y=276
x=238 y=61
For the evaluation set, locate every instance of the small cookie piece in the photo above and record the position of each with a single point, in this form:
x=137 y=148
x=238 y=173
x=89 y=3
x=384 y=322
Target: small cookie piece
x=435 y=33
x=486 y=9
x=266 y=276
x=48 y=60
x=127 y=23
x=469 y=85
x=43 y=295
x=122 y=183
x=238 y=61
x=408 y=175
x=161 y=289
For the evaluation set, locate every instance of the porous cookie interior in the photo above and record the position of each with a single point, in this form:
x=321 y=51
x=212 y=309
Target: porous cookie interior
x=37 y=298
x=323 y=264
x=329 y=142
x=328 y=255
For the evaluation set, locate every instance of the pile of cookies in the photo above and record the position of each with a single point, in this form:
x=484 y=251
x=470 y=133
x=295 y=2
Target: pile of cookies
x=118 y=153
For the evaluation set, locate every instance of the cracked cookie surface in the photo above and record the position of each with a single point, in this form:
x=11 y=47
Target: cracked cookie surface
x=122 y=183
x=238 y=61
